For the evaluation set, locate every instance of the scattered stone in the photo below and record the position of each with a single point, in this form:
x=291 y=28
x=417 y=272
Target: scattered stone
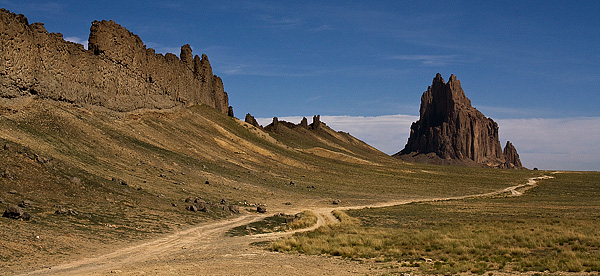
x=336 y=202
x=1 y=200
x=223 y=201
x=119 y=181
x=287 y=203
x=311 y=187
x=25 y=204
x=427 y=260
x=173 y=204
x=234 y=209
x=206 y=182
x=199 y=200
x=192 y=208
x=76 y=180
x=261 y=209
x=12 y=192
x=66 y=211
x=163 y=175
x=15 y=212
x=202 y=206
x=7 y=174
x=189 y=199
x=292 y=183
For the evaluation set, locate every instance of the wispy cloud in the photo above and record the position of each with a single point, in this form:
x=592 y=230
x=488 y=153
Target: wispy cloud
x=278 y=22
x=431 y=60
x=322 y=28
x=553 y=144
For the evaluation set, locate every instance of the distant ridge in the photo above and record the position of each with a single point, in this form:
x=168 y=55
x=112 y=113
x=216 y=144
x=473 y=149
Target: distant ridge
x=117 y=72
x=451 y=131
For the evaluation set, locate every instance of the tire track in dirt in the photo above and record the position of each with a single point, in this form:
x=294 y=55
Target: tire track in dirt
x=206 y=250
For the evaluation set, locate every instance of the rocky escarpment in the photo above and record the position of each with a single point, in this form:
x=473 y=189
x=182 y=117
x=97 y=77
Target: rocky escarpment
x=315 y=125
x=451 y=131
x=117 y=72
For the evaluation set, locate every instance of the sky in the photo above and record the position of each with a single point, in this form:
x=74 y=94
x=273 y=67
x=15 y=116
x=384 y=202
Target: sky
x=532 y=66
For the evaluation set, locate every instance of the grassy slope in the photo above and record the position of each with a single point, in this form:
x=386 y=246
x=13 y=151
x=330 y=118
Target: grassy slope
x=167 y=156
x=553 y=227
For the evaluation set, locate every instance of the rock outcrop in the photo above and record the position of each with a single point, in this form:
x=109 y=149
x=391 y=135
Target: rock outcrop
x=454 y=131
x=315 y=125
x=117 y=72
x=251 y=120
x=511 y=157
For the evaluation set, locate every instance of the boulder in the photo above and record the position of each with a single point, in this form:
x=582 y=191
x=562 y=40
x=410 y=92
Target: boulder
x=261 y=209
x=25 y=204
x=336 y=202
x=15 y=212
x=192 y=208
x=234 y=209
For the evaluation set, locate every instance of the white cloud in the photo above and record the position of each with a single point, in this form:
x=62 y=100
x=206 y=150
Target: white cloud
x=562 y=143
x=78 y=40
x=552 y=144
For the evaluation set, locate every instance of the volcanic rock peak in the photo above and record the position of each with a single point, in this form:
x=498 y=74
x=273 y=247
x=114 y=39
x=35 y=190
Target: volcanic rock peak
x=452 y=129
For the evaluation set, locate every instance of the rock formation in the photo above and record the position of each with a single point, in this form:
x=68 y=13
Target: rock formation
x=304 y=123
x=250 y=119
x=315 y=125
x=454 y=131
x=511 y=157
x=117 y=72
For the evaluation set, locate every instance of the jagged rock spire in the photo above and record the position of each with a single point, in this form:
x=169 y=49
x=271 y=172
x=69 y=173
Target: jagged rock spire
x=452 y=129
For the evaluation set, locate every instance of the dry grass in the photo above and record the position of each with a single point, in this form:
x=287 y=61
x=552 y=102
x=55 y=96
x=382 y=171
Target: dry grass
x=277 y=223
x=551 y=228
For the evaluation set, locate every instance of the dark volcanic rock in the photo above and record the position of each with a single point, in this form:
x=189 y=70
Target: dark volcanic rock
x=511 y=157
x=304 y=123
x=316 y=124
x=230 y=111
x=250 y=119
x=261 y=209
x=15 y=212
x=453 y=130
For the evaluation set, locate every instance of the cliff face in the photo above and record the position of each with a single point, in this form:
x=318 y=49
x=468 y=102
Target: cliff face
x=117 y=72
x=454 y=130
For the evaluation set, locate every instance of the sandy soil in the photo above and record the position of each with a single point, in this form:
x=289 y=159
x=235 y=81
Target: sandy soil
x=206 y=250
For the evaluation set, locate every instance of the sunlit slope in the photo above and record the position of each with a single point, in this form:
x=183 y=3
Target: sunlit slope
x=173 y=153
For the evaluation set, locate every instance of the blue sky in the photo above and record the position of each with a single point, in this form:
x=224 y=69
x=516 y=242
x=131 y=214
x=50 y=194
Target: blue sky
x=517 y=60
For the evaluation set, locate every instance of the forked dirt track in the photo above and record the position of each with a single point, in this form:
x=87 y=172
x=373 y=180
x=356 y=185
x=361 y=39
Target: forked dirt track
x=206 y=250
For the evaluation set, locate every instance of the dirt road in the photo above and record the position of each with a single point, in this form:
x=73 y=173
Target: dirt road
x=206 y=250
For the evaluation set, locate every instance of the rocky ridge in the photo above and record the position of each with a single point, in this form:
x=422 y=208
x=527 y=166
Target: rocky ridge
x=451 y=131
x=117 y=72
